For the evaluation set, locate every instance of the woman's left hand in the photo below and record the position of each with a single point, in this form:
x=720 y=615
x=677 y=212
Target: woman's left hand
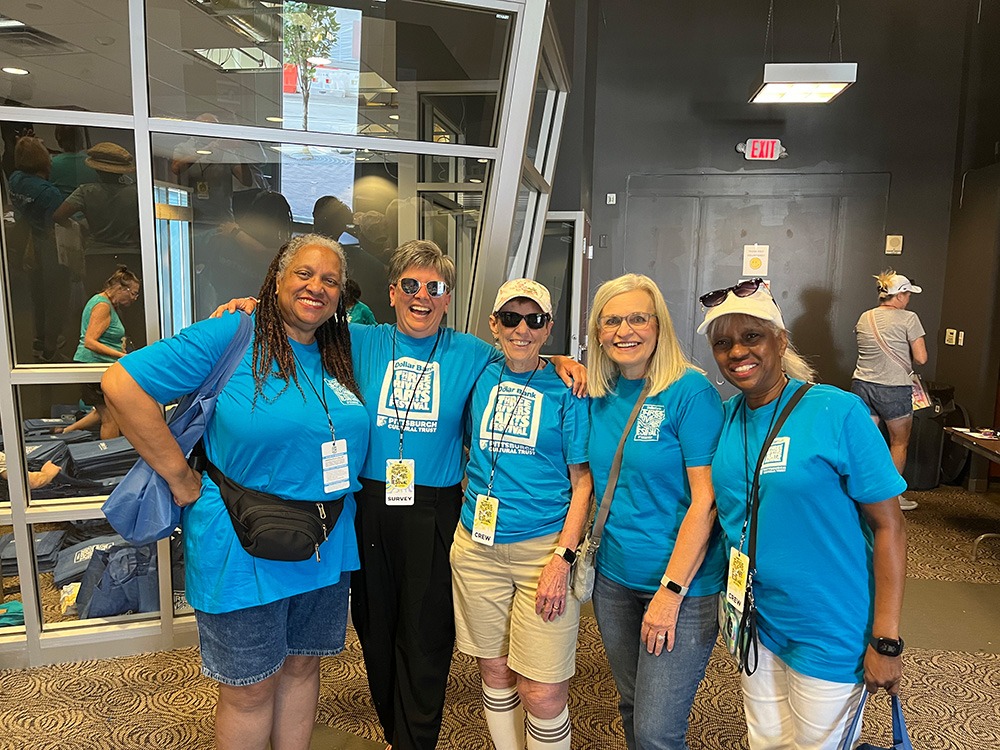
x=882 y=672
x=660 y=621
x=553 y=584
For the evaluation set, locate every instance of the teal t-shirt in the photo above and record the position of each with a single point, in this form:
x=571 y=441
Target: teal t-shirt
x=814 y=584
x=533 y=430
x=272 y=445
x=675 y=429
x=112 y=337
x=361 y=313
x=429 y=410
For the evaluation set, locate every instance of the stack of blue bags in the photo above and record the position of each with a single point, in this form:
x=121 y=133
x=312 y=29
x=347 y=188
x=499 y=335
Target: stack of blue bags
x=47 y=545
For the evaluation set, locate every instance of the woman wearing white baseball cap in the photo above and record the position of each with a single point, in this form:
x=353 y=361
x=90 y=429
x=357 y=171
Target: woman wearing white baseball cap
x=890 y=340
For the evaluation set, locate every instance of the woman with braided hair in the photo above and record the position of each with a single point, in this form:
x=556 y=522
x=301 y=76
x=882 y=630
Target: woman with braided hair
x=289 y=423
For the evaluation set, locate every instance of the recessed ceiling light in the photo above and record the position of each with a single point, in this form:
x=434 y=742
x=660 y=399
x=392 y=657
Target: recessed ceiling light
x=33 y=6
x=362 y=158
x=104 y=41
x=15 y=71
x=10 y=23
x=203 y=152
x=483 y=161
x=393 y=117
x=275 y=119
x=475 y=179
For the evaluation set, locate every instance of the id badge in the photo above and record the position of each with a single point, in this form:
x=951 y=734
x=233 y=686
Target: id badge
x=484 y=522
x=336 y=471
x=399 y=481
x=729 y=624
x=736 y=580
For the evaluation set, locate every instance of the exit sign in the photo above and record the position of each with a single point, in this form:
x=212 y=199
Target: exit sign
x=762 y=149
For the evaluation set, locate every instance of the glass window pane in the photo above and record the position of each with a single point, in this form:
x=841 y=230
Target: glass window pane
x=222 y=238
x=541 y=118
x=66 y=55
x=396 y=69
x=555 y=271
x=11 y=611
x=71 y=217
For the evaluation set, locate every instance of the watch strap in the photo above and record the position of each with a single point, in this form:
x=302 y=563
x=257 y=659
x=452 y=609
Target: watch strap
x=671 y=585
x=566 y=554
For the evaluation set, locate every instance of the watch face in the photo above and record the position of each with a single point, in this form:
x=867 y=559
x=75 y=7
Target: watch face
x=888 y=647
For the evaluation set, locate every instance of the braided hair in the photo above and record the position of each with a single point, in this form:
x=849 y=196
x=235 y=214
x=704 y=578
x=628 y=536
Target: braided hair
x=272 y=354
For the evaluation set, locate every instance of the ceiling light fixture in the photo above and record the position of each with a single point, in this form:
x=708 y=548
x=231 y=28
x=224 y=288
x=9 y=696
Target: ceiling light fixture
x=203 y=152
x=803 y=83
x=393 y=117
x=475 y=179
x=10 y=23
x=483 y=161
x=15 y=71
x=275 y=119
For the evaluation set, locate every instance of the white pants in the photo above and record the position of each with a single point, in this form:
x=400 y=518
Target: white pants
x=786 y=710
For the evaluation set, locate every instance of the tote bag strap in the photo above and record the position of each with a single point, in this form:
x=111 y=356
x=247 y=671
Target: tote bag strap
x=616 y=465
x=224 y=367
x=900 y=735
x=885 y=347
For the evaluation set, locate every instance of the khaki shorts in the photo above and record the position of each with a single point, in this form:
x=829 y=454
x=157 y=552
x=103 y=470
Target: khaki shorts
x=495 y=616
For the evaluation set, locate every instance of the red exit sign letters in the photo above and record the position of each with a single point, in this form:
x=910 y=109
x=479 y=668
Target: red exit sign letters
x=762 y=149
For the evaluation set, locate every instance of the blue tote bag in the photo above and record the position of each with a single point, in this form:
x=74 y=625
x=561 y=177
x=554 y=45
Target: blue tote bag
x=900 y=737
x=142 y=508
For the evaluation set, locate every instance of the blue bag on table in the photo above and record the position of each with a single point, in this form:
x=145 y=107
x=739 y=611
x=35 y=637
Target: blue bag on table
x=142 y=508
x=900 y=737
x=119 y=580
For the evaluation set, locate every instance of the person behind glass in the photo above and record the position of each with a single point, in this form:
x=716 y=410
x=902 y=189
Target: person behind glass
x=416 y=377
x=35 y=201
x=69 y=169
x=103 y=339
x=830 y=561
x=357 y=311
x=882 y=375
x=263 y=624
x=526 y=503
x=659 y=565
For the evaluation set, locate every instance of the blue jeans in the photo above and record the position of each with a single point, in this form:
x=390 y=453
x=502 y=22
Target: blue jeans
x=656 y=691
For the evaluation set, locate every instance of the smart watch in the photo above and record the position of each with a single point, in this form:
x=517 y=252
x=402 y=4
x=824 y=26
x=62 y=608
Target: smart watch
x=671 y=585
x=887 y=646
x=567 y=554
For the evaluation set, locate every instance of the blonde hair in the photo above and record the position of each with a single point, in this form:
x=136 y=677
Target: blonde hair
x=793 y=364
x=666 y=365
x=884 y=281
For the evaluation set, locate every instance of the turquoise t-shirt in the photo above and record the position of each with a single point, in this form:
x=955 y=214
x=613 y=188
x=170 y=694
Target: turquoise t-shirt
x=675 y=429
x=532 y=437
x=814 y=585
x=430 y=409
x=361 y=313
x=273 y=446
x=112 y=337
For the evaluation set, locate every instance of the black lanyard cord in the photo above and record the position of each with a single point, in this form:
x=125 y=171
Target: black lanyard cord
x=413 y=395
x=320 y=394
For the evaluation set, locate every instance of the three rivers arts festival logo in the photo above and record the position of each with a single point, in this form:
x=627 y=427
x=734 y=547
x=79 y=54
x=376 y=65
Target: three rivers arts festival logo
x=512 y=425
x=408 y=398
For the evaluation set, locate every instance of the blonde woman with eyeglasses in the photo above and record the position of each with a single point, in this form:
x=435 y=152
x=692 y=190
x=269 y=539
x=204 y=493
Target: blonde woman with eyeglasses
x=660 y=565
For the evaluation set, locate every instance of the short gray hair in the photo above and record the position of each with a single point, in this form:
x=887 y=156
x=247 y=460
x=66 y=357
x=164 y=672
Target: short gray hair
x=422 y=254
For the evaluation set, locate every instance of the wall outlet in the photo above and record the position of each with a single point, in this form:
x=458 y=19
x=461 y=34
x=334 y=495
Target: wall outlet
x=961 y=338
x=949 y=336
x=612 y=199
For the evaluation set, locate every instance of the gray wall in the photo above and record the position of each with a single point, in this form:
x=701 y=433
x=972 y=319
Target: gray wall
x=672 y=79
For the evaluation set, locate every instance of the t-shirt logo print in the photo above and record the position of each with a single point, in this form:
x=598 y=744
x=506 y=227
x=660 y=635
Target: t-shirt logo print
x=776 y=460
x=647 y=424
x=519 y=415
x=402 y=387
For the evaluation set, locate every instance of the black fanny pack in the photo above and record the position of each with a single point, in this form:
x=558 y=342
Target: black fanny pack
x=272 y=528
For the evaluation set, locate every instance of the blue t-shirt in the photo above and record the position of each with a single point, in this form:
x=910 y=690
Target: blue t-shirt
x=675 y=429
x=429 y=408
x=533 y=438
x=273 y=446
x=814 y=586
x=34 y=198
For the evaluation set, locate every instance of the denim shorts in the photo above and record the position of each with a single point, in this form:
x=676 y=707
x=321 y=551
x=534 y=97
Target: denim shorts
x=888 y=402
x=249 y=645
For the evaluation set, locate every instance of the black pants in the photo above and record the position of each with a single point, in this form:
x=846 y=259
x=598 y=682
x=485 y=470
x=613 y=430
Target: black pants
x=402 y=608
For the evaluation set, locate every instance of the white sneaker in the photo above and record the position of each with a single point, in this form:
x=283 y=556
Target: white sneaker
x=906 y=504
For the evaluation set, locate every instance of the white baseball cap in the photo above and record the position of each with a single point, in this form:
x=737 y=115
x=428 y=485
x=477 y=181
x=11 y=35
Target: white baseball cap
x=528 y=288
x=899 y=283
x=757 y=304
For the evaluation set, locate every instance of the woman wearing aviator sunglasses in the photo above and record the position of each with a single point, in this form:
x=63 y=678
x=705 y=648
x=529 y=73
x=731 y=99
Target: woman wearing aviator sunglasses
x=659 y=566
x=525 y=506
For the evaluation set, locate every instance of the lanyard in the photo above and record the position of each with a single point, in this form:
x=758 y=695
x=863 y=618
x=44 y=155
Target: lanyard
x=395 y=406
x=320 y=395
x=495 y=446
x=746 y=459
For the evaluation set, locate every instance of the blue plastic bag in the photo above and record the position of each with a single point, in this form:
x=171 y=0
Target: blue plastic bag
x=142 y=508
x=900 y=737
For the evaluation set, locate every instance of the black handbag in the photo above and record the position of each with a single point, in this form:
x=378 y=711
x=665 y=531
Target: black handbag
x=272 y=528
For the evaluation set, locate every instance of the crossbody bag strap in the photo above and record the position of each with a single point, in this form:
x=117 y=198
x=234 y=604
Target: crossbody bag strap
x=616 y=466
x=885 y=347
x=224 y=367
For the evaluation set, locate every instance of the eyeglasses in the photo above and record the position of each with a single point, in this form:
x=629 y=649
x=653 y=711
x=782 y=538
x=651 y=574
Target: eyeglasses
x=133 y=293
x=434 y=288
x=637 y=321
x=743 y=289
x=509 y=319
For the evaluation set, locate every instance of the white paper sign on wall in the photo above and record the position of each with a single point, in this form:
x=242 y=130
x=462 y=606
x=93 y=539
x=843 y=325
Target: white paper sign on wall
x=755 y=260
x=894 y=244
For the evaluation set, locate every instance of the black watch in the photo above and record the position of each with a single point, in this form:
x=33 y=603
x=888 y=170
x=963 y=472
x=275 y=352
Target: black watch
x=567 y=554
x=887 y=646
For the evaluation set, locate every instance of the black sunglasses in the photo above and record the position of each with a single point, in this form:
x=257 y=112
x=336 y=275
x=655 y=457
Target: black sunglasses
x=743 y=289
x=434 y=288
x=510 y=319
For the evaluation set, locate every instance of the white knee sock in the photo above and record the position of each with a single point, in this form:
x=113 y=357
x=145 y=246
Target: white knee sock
x=504 y=717
x=549 y=734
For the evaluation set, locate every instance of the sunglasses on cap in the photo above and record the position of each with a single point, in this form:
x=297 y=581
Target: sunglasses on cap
x=509 y=319
x=434 y=288
x=743 y=289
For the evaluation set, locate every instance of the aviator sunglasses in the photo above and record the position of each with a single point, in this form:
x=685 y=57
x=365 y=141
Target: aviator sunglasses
x=509 y=319
x=434 y=288
x=743 y=289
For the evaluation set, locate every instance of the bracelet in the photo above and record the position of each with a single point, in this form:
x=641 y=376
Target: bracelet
x=671 y=585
